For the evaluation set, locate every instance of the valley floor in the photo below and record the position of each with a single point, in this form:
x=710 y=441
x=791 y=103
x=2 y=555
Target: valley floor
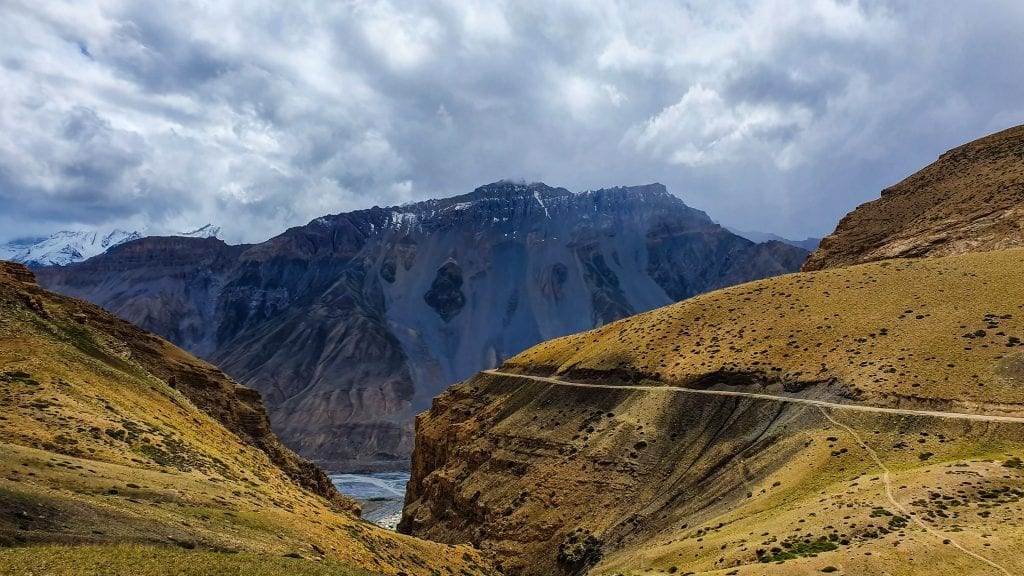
x=380 y=494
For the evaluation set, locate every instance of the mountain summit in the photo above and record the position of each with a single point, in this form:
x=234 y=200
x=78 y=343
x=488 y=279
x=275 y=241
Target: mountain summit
x=351 y=324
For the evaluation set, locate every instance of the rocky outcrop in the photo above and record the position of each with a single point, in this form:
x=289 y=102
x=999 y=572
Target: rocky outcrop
x=970 y=200
x=445 y=295
x=351 y=324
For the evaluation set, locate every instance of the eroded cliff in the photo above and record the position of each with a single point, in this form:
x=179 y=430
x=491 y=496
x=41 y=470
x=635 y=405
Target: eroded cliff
x=682 y=440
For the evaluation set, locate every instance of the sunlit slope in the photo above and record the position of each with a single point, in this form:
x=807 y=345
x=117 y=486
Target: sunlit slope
x=110 y=436
x=944 y=333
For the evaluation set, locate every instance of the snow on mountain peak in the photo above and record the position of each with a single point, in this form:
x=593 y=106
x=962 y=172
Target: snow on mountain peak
x=70 y=246
x=208 y=231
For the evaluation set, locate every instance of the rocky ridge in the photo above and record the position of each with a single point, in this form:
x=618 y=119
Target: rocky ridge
x=971 y=199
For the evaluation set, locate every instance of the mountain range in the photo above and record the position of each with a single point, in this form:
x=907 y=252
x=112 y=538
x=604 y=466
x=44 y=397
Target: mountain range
x=67 y=246
x=863 y=416
x=350 y=324
x=809 y=243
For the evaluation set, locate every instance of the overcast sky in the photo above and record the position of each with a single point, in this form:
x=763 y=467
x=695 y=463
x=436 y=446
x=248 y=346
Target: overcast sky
x=257 y=115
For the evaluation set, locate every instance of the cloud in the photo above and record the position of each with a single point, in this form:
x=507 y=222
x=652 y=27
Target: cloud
x=258 y=115
x=704 y=128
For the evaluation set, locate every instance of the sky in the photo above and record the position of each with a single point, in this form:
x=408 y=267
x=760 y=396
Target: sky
x=258 y=115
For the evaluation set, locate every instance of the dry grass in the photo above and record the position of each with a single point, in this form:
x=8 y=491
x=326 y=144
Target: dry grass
x=673 y=483
x=701 y=484
x=943 y=332
x=828 y=491
x=969 y=200
x=136 y=560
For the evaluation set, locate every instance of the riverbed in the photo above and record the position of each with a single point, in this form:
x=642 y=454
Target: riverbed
x=381 y=494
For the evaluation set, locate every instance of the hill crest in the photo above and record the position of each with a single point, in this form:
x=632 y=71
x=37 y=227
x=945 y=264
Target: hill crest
x=971 y=199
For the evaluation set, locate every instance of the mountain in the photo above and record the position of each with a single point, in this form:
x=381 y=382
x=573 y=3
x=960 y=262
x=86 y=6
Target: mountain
x=123 y=454
x=970 y=199
x=208 y=231
x=809 y=243
x=67 y=247
x=349 y=325
x=860 y=420
x=63 y=248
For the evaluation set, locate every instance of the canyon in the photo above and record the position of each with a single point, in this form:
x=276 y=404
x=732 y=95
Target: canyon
x=123 y=453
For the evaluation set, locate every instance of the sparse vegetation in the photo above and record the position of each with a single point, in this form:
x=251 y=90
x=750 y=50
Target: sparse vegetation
x=802 y=330
x=135 y=560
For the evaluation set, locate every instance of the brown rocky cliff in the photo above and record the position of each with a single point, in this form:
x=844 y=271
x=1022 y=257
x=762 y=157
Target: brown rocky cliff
x=969 y=200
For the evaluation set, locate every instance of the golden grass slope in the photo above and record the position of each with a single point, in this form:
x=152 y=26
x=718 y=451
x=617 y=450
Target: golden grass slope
x=104 y=448
x=941 y=333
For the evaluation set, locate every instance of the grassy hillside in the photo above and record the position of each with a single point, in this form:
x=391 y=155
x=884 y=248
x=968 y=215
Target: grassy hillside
x=562 y=480
x=566 y=480
x=943 y=332
x=113 y=442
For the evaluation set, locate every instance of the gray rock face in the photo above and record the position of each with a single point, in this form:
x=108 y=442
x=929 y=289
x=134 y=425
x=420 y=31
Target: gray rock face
x=351 y=324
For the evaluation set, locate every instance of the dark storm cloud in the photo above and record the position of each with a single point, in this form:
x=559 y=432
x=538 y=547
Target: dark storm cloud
x=778 y=116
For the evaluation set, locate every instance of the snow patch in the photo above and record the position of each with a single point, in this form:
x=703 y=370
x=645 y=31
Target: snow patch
x=208 y=231
x=64 y=247
x=541 y=202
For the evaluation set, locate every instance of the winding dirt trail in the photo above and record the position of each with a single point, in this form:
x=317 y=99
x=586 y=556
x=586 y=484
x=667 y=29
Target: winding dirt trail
x=906 y=513
x=824 y=407
x=774 y=398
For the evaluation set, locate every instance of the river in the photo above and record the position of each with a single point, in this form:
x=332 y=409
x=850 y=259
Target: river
x=381 y=494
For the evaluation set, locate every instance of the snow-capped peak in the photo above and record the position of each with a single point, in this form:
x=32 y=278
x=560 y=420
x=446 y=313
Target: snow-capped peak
x=69 y=246
x=64 y=247
x=208 y=231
